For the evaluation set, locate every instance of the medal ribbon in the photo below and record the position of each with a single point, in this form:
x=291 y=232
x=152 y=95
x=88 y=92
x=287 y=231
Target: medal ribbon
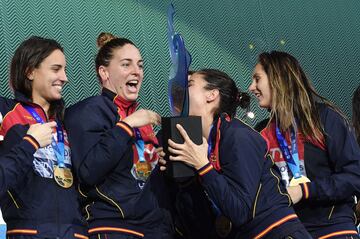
x=58 y=147
x=213 y=157
x=126 y=108
x=210 y=149
x=292 y=158
x=213 y=144
x=140 y=145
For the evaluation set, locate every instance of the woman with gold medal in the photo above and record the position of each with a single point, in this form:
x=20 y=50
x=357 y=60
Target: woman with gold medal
x=44 y=201
x=312 y=145
x=114 y=150
x=18 y=161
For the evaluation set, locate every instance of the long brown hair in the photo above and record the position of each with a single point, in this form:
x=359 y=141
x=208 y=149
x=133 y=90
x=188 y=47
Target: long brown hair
x=27 y=57
x=293 y=98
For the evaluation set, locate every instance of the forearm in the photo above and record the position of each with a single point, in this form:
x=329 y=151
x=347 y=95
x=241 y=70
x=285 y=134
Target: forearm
x=16 y=163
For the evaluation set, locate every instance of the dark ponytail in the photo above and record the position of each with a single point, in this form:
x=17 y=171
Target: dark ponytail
x=230 y=96
x=243 y=100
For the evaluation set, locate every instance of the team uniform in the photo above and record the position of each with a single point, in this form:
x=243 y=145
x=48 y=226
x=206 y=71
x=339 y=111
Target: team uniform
x=36 y=206
x=19 y=160
x=124 y=193
x=16 y=163
x=238 y=194
x=333 y=168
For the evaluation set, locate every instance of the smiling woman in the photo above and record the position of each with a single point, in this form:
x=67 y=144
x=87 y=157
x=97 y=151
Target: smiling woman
x=114 y=150
x=236 y=193
x=120 y=70
x=46 y=194
x=312 y=145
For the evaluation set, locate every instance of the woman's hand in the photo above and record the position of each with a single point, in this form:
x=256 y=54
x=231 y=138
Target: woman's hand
x=42 y=132
x=295 y=193
x=162 y=161
x=189 y=152
x=142 y=117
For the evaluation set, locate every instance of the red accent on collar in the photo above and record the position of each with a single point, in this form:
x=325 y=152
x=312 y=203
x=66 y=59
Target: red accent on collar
x=270 y=136
x=214 y=154
x=126 y=108
x=19 y=115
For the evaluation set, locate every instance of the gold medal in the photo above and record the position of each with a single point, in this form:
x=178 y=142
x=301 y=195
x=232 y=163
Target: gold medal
x=143 y=170
x=63 y=177
x=296 y=181
x=223 y=226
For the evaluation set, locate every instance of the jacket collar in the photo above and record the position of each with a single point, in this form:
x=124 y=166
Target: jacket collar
x=108 y=94
x=20 y=97
x=124 y=106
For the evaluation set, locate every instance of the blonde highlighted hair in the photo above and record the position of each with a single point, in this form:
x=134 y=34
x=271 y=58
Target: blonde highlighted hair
x=293 y=98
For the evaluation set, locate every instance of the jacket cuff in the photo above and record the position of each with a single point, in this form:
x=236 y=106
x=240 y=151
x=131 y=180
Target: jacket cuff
x=204 y=170
x=305 y=188
x=32 y=141
x=127 y=128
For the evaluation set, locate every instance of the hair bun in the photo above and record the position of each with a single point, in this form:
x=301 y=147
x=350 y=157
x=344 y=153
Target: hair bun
x=104 y=38
x=243 y=99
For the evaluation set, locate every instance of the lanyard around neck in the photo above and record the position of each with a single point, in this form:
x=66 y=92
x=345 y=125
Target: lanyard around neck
x=58 y=146
x=140 y=145
x=292 y=158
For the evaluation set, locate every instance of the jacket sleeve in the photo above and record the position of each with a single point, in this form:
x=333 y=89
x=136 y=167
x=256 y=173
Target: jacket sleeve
x=344 y=154
x=97 y=142
x=234 y=190
x=16 y=162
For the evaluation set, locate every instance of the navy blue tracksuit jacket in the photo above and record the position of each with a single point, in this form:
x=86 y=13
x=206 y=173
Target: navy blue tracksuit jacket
x=246 y=188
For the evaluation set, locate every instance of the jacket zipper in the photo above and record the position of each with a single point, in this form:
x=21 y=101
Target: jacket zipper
x=256 y=199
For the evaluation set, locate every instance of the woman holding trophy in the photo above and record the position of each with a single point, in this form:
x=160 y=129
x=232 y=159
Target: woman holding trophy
x=236 y=193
